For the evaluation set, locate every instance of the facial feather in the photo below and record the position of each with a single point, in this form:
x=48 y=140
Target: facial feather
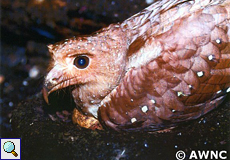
x=104 y=70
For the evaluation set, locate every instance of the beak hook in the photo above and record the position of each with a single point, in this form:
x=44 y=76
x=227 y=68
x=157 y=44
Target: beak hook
x=45 y=94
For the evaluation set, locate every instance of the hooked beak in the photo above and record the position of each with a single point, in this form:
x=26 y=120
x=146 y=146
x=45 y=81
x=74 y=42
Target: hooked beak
x=52 y=82
x=55 y=80
x=45 y=92
x=49 y=87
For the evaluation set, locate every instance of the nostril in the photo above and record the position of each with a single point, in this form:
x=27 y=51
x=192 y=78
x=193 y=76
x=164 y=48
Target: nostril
x=54 y=79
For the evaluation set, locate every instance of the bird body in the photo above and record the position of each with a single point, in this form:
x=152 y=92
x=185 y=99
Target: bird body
x=166 y=64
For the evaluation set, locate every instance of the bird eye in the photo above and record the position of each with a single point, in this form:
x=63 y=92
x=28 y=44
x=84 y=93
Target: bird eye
x=81 y=62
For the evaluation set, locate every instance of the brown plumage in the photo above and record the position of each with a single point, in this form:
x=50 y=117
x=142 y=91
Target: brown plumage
x=167 y=64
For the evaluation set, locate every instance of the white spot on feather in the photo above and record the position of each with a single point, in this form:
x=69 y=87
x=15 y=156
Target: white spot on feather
x=179 y=94
x=153 y=101
x=218 y=41
x=228 y=90
x=133 y=120
x=144 y=109
x=200 y=74
x=210 y=57
x=218 y=91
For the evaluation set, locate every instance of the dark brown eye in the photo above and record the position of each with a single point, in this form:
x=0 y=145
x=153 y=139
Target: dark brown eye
x=81 y=62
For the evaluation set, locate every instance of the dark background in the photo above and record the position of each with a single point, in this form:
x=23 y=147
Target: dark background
x=27 y=27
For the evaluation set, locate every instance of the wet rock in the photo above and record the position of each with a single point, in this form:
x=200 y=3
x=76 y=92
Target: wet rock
x=45 y=138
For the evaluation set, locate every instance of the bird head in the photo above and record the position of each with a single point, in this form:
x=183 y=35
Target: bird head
x=91 y=65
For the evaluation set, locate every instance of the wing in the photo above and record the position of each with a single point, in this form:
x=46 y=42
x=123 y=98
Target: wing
x=178 y=67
